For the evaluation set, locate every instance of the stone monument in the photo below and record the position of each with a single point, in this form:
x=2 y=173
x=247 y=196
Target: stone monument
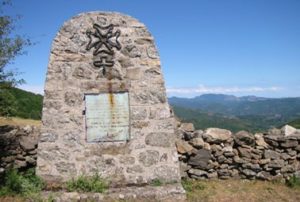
x=105 y=108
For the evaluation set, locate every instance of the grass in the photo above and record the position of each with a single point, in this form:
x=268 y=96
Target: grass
x=293 y=182
x=156 y=183
x=239 y=190
x=14 y=183
x=15 y=121
x=87 y=184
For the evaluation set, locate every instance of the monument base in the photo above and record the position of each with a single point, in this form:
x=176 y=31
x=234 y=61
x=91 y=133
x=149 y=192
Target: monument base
x=166 y=193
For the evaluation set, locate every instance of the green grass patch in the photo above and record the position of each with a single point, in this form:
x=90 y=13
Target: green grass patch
x=20 y=183
x=192 y=185
x=156 y=183
x=293 y=182
x=87 y=184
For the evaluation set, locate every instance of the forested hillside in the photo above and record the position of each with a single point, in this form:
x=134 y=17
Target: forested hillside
x=235 y=113
x=19 y=103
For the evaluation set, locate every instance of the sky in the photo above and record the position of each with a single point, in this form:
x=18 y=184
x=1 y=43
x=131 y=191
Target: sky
x=237 y=47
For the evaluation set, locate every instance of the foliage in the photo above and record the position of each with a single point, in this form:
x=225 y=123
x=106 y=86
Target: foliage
x=11 y=45
x=20 y=103
x=190 y=185
x=156 y=183
x=295 y=123
x=87 y=184
x=15 y=183
x=293 y=182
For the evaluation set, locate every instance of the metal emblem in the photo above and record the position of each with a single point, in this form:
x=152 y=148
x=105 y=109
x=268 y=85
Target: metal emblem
x=103 y=39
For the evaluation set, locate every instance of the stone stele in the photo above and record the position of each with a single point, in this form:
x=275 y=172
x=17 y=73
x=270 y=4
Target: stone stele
x=105 y=108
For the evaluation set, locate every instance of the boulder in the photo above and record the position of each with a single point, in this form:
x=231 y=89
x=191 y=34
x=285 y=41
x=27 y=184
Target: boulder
x=277 y=164
x=197 y=142
x=288 y=130
x=217 y=135
x=198 y=133
x=249 y=173
x=270 y=154
x=244 y=138
x=260 y=141
x=187 y=127
x=28 y=143
x=197 y=172
x=183 y=147
x=244 y=152
x=289 y=144
x=201 y=159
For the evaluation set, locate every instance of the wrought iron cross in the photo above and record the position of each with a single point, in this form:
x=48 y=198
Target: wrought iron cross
x=103 y=40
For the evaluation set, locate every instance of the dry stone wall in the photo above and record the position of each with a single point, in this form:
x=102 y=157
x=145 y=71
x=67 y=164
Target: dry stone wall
x=209 y=154
x=218 y=153
x=18 y=147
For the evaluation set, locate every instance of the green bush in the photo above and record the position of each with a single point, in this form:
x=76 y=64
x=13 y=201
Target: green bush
x=87 y=184
x=191 y=185
x=15 y=183
x=294 y=181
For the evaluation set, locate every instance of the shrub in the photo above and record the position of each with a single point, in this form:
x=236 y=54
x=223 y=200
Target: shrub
x=15 y=183
x=192 y=185
x=294 y=181
x=87 y=184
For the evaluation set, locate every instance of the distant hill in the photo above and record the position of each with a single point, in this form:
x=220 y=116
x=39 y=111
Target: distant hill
x=249 y=112
x=26 y=104
x=295 y=123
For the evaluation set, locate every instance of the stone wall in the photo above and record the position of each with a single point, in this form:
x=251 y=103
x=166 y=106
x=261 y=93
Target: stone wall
x=217 y=153
x=213 y=153
x=18 y=147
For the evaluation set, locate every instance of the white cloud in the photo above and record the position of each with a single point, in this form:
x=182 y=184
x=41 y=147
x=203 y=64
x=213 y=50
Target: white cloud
x=201 y=89
x=33 y=88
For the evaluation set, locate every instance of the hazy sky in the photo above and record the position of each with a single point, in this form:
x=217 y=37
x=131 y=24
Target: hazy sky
x=239 y=47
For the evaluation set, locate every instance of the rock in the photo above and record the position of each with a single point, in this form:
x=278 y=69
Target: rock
x=270 y=154
x=201 y=159
x=48 y=137
x=260 y=141
x=160 y=139
x=288 y=169
x=244 y=138
x=197 y=142
x=263 y=175
x=274 y=131
x=149 y=157
x=27 y=129
x=197 y=172
x=183 y=147
x=272 y=140
x=2 y=170
x=277 y=164
x=19 y=164
x=289 y=143
x=198 y=133
x=288 y=130
x=206 y=146
x=27 y=143
x=212 y=175
x=249 y=173
x=187 y=127
x=217 y=135
x=245 y=152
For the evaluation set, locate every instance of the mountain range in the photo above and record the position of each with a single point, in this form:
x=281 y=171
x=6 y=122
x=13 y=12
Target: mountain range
x=236 y=113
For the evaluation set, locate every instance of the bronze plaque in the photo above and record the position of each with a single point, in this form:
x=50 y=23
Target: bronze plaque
x=107 y=117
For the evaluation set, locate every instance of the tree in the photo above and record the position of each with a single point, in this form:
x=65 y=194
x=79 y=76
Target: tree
x=11 y=46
